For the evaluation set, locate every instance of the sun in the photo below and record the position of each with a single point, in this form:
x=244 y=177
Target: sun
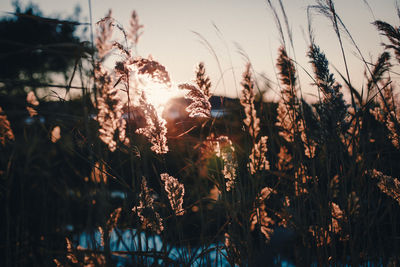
x=150 y=78
x=159 y=94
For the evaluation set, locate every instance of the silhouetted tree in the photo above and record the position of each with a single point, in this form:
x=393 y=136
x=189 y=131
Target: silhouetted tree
x=33 y=47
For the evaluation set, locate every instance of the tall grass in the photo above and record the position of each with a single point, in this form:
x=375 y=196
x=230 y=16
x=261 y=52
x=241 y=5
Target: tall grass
x=314 y=184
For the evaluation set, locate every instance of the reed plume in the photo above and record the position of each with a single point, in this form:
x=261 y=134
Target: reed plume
x=152 y=68
x=202 y=80
x=247 y=101
x=104 y=35
x=387 y=184
x=353 y=204
x=259 y=216
x=145 y=210
x=333 y=110
x=381 y=67
x=288 y=108
x=301 y=179
x=257 y=157
x=175 y=192
x=6 y=133
x=393 y=35
x=55 y=134
x=223 y=148
x=110 y=110
x=70 y=255
x=98 y=173
x=155 y=130
x=387 y=114
x=324 y=236
x=337 y=216
x=200 y=106
x=109 y=104
x=384 y=97
x=113 y=220
x=284 y=159
x=321 y=236
x=289 y=119
x=134 y=32
x=198 y=94
x=32 y=104
x=80 y=256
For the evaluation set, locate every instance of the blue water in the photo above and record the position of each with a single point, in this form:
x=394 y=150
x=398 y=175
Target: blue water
x=133 y=241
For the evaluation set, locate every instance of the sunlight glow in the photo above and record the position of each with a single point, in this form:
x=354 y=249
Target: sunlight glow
x=158 y=94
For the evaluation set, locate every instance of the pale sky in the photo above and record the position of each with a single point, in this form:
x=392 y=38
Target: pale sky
x=169 y=38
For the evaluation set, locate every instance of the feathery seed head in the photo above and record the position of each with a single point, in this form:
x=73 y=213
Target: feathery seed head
x=6 y=133
x=175 y=192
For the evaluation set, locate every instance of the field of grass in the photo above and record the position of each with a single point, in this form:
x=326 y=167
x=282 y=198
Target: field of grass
x=126 y=174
